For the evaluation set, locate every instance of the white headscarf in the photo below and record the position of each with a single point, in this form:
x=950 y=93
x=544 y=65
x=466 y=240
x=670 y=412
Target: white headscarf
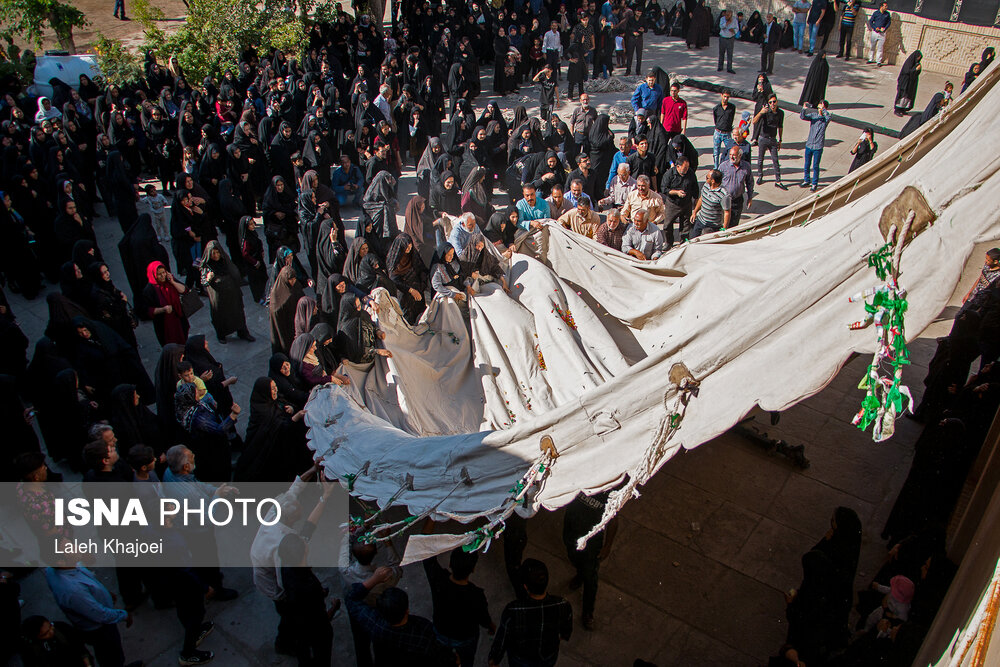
x=42 y=114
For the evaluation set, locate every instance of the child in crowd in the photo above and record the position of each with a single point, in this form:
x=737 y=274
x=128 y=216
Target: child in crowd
x=156 y=204
x=186 y=371
x=189 y=160
x=620 y=49
x=896 y=604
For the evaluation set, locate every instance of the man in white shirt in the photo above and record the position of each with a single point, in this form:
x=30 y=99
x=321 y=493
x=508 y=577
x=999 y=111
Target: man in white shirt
x=728 y=27
x=552 y=47
x=264 y=550
x=620 y=188
x=381 y=102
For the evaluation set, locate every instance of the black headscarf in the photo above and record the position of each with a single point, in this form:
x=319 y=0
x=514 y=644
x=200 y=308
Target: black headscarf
x=166 y=384
x=355 y=330
x=135 y=424
x=499 y=228
x=353 y=260
x=330 y=254
x=814 y=88
x=289 y=386
x=326 y=352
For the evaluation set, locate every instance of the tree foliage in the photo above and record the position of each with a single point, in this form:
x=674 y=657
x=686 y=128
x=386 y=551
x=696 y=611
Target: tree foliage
x=119 y=65
x=213 y=35
x=28 y=19
x=16 y=64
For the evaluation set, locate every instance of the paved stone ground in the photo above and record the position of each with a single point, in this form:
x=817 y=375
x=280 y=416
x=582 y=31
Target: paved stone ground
x=701 y=559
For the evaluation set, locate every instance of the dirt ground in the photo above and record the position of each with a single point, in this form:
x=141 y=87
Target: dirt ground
x=99 y=13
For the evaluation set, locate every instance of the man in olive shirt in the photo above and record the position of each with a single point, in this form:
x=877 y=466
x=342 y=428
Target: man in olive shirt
x=581 y=120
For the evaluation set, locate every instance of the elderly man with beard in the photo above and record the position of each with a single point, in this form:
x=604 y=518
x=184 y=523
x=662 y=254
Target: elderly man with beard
x=737 y=179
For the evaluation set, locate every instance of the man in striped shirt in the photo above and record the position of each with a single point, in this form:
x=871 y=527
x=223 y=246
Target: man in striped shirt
x=711 y=213
x=847 y=20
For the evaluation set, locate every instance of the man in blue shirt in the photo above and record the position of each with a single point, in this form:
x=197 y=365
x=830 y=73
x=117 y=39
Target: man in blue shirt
x=624 y=150
x=817 y=11
x=879 y=23
x=818 y=119
x=348 y=182
x=89 y=606
x=531 y=209
x=648 y=95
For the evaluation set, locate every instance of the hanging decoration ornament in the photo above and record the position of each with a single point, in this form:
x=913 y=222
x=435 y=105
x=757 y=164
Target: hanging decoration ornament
x=886 y=397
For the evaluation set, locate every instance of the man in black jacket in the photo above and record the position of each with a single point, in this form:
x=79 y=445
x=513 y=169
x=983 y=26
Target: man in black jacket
x=771 y=43
x=679 y=187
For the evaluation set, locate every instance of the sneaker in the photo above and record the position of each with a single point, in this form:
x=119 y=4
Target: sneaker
x=196 y=658
x=804 y=184
x=871 y=62
x=814 y=188
x=206 y=630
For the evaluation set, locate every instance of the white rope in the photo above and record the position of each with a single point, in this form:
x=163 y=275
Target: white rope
x=642 y=473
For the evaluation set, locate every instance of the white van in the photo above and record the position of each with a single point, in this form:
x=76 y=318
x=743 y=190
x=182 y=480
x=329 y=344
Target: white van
x=64 y=67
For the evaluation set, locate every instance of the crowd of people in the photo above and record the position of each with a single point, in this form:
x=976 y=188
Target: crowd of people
x=244 y=181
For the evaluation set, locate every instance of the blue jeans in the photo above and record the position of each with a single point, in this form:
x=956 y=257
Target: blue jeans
x=813 y=157
x=720 y=141
x=798 y=32
x=465 y=648
x=813 y=30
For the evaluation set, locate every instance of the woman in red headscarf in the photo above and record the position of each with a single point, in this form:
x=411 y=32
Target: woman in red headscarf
x=162 y=301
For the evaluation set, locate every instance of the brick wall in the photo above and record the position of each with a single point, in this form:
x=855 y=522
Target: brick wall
x=948 y=48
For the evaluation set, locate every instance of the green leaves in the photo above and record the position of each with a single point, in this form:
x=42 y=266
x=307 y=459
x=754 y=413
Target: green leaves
x=119 y=65
x=28 y=19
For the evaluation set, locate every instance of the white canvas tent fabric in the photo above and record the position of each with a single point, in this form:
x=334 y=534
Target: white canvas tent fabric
x=758 y=314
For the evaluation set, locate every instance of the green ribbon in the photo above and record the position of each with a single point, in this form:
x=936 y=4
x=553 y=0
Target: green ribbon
x=881 y=261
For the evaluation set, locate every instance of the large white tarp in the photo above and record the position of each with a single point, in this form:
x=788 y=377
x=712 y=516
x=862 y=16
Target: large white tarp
x=581 y=346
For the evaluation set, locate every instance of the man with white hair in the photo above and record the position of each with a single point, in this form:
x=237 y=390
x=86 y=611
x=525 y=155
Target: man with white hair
x=381 y=101
x=620 y=188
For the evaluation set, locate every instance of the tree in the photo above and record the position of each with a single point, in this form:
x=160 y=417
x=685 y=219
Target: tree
x=28 y=19
x=119 y=66
x=213 y=36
